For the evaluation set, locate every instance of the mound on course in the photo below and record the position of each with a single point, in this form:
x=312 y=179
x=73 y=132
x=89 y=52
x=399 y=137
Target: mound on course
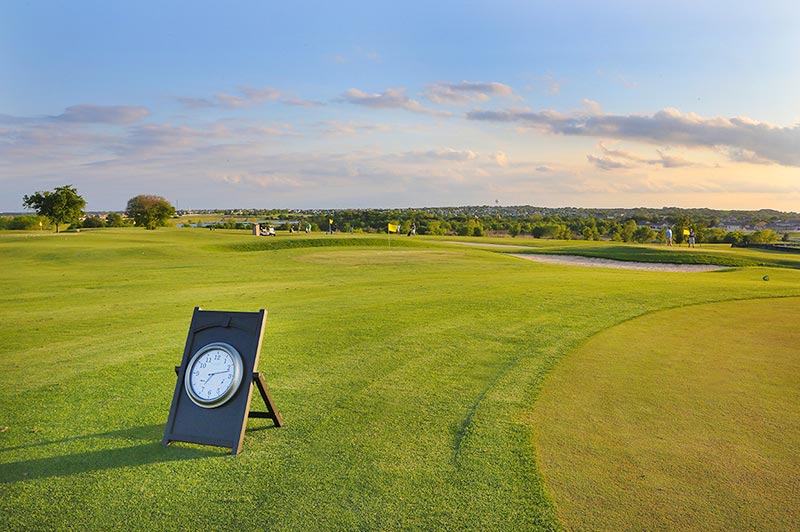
x=406 y=376
x=686 y=419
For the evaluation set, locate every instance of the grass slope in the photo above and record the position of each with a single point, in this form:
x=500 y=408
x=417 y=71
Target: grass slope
x=405 y=376
x=690 y=430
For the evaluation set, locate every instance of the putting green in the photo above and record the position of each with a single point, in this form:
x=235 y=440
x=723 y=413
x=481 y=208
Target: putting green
x=685 y=419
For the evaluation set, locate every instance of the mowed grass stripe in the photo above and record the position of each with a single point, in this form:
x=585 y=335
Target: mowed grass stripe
x=687 y=419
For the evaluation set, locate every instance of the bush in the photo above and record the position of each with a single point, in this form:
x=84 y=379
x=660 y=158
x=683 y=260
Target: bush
x=714 y=235
x=115 y=219
x=92 y=222
x=644 y=235
x=24 y=222
x=764 y=236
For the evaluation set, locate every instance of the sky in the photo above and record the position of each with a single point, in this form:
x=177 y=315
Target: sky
x=349 y=104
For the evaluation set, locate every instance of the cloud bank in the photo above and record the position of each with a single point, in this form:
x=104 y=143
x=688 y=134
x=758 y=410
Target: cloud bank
x=740 y=138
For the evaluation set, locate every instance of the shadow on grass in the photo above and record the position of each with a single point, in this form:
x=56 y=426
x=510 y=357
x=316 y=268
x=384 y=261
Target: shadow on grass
x=65 y=465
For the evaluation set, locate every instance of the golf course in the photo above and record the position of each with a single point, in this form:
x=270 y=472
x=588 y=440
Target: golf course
x=423 y=384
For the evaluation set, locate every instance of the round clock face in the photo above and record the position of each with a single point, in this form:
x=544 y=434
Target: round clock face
x=213 y=375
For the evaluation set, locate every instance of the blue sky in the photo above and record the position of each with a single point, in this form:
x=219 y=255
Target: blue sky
x=371 y=104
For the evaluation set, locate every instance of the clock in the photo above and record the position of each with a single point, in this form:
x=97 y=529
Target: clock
x=213 y=375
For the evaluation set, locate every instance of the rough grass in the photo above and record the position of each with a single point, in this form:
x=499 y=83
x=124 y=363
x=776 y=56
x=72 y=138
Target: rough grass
x=405 y=376
x=695 y=428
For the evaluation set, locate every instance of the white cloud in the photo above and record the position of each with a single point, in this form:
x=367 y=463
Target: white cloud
x=607 y=163
x=393 y=98
x=103 y=114
x=348 y=128
x=767 y=142
x=592 y=107
x=467 y=92
x=444 y=154
x=247 y=97
x=300 y=102
x=547 y=84
x=619 y=159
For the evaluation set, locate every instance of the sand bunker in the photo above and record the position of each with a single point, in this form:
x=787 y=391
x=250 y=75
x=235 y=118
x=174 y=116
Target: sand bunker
x=575 y=260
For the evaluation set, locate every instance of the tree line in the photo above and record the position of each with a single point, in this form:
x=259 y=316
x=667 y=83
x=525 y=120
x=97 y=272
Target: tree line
x=64 y=206
x=571 y=226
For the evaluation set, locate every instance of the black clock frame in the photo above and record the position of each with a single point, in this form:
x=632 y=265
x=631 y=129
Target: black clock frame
x=224 y=425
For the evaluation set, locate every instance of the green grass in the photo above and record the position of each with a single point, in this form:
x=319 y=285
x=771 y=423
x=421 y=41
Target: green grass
x=405 y=377
x=697 y=428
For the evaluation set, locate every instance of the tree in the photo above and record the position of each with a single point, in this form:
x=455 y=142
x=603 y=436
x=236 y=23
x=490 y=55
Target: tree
x=63 y=205
x=92 y=222
x=149 y=211
x=628 y=230
x=764 y=236
x=115 y=219
x=683 y=222
x=643 y=235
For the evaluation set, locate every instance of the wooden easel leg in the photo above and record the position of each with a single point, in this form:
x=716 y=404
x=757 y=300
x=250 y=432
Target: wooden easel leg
x=272 y=411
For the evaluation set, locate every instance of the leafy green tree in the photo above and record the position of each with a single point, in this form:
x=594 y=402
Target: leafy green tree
x=735 y=237
x=62 y=205
x=24 y=222
x=435 y=228
x=683 y=222
x=714 y=235
x=644 y=234
x=115 y=219
x=149 y=211
x=764 y=236
x=550 y=230
x=92 y=222
x=590 y=232
x=628 y=230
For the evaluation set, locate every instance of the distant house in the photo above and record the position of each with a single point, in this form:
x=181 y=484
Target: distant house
x=730 y=228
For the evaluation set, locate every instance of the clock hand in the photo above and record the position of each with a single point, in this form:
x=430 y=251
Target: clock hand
x=212 y=374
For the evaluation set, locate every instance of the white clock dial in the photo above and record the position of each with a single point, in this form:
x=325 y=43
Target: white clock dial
x=213 y=375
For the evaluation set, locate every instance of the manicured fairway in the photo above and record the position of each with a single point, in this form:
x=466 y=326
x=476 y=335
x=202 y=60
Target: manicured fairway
x=406 y=377
x=687 y=419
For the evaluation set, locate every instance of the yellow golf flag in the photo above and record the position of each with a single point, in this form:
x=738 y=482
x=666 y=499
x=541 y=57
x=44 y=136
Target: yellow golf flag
x=685 y=232
x=393 y=228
